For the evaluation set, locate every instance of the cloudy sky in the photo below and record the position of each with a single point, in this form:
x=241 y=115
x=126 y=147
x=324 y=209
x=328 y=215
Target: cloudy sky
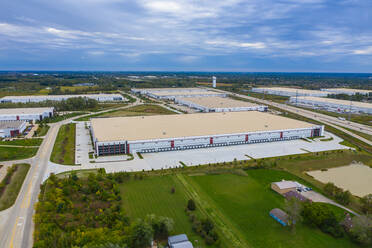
x=197 y=35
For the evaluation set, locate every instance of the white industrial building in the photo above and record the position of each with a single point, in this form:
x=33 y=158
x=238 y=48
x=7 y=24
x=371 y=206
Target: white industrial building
x=42 y=98
x=26 y=114
x=334 y=105
x=218 y=104
x=122 y=135
x=282 y=91
x=11 y=128
x=347 y=91
x=172 y=93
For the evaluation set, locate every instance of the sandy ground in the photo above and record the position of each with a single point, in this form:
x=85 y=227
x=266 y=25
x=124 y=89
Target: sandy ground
x=357 y=178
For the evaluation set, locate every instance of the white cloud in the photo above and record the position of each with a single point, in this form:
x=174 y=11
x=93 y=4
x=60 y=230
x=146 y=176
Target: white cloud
x=365 y=51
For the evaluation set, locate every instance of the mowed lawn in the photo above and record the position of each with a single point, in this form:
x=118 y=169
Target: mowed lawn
x=23 y=142
x=145 y=109
x=152 y=195
x=247 y=200
x=64 y=147
x=238 y=203
x=16 y=153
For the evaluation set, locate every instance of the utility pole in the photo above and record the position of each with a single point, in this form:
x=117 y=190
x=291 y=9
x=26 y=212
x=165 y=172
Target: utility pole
x=350 y=108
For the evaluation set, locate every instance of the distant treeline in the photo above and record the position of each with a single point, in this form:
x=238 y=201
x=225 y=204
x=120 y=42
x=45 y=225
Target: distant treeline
x=357 y=97
x=71 y=104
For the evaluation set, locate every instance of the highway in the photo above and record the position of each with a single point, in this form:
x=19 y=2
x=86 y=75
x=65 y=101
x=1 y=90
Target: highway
x=326 y=119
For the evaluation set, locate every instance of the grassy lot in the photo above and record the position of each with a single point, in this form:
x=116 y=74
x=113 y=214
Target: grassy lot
x=145 y=109
x=238 y=203
x=153 y=196
x=274 y=98
x=64 y=147
x=13 y=186
x=23 y=142
x=42 y=131
x=58 y=118
x=364 y=135
x=15 y=153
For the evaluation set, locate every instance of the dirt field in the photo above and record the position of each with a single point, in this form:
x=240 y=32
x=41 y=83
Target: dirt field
x=357 y=178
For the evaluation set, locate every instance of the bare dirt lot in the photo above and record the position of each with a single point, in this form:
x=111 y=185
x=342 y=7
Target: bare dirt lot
x=357 y=178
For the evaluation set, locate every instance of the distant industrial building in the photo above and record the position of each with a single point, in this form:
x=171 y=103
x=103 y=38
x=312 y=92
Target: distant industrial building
x=41 y=98
x=172 y=93
x=25 y=114
x=347 y=91
x=218 y=104
x=334 y=105
x=122 y=135
x=282 y=91
x=11 y=128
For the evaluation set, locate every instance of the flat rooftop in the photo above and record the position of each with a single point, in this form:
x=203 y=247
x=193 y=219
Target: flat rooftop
x=294 y=90
x=217 y=102
x=182 y=93
x=186 y=125
x=349 y=90
x=10 y=124
x=19 y=111
x=168 y=89
x=58 y=96
x=336 y=101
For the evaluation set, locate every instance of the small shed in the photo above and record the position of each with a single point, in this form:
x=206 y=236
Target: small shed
x=280 y=216
x=284 y=186
x=179 y=241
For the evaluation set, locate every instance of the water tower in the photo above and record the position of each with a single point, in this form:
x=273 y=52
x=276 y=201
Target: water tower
x=214 y=84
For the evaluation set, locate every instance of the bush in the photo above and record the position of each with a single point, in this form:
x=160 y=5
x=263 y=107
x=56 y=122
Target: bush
x=191 y=205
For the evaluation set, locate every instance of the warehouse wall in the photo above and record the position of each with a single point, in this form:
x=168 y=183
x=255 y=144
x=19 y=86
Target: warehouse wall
x=208 y=141
x=287 y=93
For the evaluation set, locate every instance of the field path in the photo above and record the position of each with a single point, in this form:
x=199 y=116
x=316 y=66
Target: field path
x=233 y=235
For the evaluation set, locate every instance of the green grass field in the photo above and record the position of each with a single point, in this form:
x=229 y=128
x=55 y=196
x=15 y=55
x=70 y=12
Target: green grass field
x=10 y=193
x=16 y=153
x=64 y=147
x=239 y=205
x=23 y=142
x=145 y=109
x=42 y=131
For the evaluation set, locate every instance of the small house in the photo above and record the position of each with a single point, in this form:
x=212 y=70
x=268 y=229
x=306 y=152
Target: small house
x=284 y=186
x=179 y=241
x=280 y=216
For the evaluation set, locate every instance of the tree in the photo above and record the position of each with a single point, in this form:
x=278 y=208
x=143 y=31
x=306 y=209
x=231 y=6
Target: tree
x=191 y=205
x=367 y=204
x=293 y=207
x=161 y=226
x=140 y=234
x=329 y=189
x=362 y=229
x=343 y=197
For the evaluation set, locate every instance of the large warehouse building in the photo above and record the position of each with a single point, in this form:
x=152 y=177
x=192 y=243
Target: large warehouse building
x=347 y=91
x=333 y=105
x=122 y=135
x=172 y=93
x=218 y=104
x=11 y=128
x=26 y=114
x=282 y=91
x=27 y=99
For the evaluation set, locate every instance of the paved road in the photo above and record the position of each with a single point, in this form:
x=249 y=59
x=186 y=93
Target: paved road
x=329 y=120
x=16 y=225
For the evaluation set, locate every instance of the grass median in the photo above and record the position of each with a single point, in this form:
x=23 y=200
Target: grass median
x=11 y=184
x=22 y=142
x=64 y=147
x=16 y=153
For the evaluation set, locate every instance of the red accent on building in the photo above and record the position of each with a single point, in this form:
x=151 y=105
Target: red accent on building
x=246 y=137
x=172 y=143
x=14 y=133
x=17 y=117
x=128 y=150
x=211 y=140
x=281 y=135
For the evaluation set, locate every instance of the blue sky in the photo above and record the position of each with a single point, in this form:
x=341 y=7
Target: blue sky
x=197 y=35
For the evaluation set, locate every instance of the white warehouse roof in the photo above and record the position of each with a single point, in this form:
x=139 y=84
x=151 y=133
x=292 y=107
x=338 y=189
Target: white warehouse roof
x=347 y=91
x=217 y=102
x=286 y=184
x=58 y=97
x=335 y=101
x=20 y=111
x=190 y=125
x=294 y=90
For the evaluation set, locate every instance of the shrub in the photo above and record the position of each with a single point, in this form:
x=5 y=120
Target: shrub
x=191 y=205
